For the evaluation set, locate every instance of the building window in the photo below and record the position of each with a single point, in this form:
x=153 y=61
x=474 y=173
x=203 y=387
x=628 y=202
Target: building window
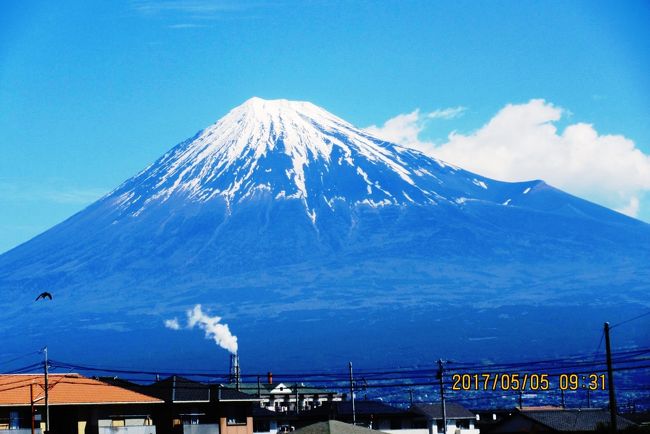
x=236 y=416
x=462 y=423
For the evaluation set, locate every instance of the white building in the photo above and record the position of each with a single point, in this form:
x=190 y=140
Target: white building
x=282 y=397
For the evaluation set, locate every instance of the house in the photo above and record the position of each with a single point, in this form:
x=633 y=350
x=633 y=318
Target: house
x=641 y=418
x=487 y=419
x=77 y=404
x=459 y=419
x=380 y=416
x=196 y=407
x=371 y=414
x=334 y=427
x=559 y=420
x=282 y=397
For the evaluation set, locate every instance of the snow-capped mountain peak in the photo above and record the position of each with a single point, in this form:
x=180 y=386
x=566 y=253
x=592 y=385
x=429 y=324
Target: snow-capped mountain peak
x=294 y=150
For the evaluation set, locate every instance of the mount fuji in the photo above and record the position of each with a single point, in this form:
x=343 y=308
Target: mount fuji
x=319 y=243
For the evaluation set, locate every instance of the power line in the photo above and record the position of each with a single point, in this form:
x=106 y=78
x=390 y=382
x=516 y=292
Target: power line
x=6 y=362
x=629 y=320
x=332 y=376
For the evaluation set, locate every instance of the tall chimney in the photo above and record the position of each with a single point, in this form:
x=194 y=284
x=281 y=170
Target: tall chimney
x=235 y=373
x=270 y=377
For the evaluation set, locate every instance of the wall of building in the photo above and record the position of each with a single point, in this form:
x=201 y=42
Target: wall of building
x=453 y=429
x=226 y=428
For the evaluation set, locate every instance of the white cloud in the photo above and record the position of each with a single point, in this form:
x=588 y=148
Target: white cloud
x=186 y=26
x=448 y=113
x=405 y=128
x=172 y=324
x=521 y=142
x=632 y=208
x=197 y=11
x=48 y=191
x=196 y=7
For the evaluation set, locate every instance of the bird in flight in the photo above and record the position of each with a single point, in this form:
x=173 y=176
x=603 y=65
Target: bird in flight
x=44 y=295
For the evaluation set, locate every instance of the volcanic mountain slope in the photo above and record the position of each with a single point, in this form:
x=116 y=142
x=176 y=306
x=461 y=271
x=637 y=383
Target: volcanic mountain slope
x=283 y=207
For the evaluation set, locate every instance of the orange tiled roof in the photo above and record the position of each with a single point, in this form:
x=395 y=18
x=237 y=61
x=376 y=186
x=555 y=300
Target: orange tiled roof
x=65 y=389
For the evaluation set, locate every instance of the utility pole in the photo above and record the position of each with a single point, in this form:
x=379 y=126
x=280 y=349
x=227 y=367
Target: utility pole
x=354 y=411
x=47 y=392
x=610 y=382
x=588 y=398
x=563 y=403
x=411 y=396
x=297 y=408
x=442 y=396
x=31 y=403
x=521 y=399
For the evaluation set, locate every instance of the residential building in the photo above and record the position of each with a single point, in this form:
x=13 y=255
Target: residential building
x=193 y=407
x=574 y=420
x=282 y=397
x=334 y=427
x=459 y=419
x=76 y=404
x=370 y=414
x=380 y=416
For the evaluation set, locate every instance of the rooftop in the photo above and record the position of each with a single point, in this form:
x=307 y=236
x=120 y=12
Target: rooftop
x=334 y=427
x=66 y=389
x=181 y=389
x=434 y=411
x=572 y=420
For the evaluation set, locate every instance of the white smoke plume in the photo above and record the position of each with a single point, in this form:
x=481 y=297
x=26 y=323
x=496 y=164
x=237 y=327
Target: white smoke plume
x=211 y=325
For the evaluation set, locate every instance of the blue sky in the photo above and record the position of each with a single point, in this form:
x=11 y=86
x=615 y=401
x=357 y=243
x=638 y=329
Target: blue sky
x=91 y=92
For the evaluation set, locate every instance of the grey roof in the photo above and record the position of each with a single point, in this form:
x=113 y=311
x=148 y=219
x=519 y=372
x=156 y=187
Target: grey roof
x=125 y=384
x=334 y=427
x=574 y=419
x=250 y=388
x=434 y=411
x=225 y=394
x=180 y=389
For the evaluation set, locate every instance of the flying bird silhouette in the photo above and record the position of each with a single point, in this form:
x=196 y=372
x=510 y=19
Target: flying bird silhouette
x=44 y=295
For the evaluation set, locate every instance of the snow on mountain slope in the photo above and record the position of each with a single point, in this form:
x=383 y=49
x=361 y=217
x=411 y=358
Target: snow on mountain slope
x=296 y=150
